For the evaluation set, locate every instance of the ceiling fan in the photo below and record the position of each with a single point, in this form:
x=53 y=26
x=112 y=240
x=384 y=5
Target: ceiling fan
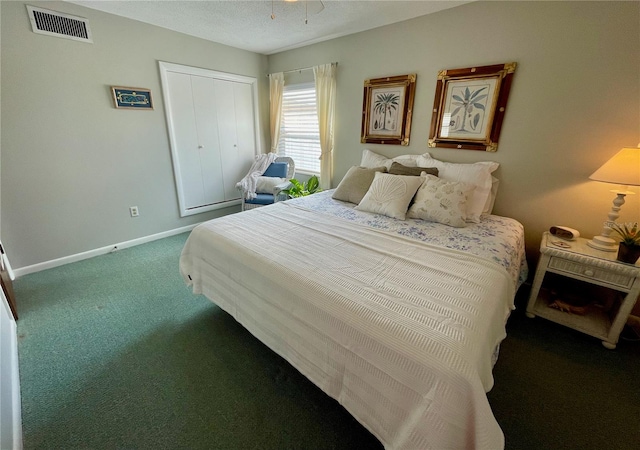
x=310 y=7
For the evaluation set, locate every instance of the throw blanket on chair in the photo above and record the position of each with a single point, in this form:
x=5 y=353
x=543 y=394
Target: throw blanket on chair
x=248 y=183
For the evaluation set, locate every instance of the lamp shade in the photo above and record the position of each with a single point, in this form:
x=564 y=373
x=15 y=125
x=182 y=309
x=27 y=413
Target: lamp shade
x=623 y=168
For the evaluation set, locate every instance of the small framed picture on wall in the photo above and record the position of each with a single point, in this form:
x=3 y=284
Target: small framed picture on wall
x=132 y=98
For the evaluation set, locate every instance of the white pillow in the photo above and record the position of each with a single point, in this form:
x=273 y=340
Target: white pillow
x=390 y=195
x=266 y=185
x=477 y=174
x=441 y=201
x=491 y=200
x=371 y=159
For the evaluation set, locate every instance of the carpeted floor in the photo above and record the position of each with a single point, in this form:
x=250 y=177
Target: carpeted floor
x=115 y=352
x=556 y=388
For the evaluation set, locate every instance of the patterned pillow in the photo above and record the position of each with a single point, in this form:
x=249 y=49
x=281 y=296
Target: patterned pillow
x=478 y=174
x=355 y=184
x=441 y=201
x=390 y=195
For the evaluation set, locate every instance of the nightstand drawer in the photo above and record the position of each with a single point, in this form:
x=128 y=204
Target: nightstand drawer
x=594 y=273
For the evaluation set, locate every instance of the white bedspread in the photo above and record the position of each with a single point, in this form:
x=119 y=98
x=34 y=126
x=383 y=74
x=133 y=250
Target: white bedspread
x=400 y=332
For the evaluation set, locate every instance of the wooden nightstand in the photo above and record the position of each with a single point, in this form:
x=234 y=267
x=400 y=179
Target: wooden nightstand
x=581 y=262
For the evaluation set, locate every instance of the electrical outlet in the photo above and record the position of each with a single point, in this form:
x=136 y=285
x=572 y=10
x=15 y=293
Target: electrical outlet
x=133 y=210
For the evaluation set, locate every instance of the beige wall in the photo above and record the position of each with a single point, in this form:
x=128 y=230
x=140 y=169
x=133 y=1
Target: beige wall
x=72 y=164
x=575 y=99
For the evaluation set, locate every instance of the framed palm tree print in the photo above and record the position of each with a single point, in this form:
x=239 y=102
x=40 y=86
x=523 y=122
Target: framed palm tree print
x=469 y=107
x=387 y=107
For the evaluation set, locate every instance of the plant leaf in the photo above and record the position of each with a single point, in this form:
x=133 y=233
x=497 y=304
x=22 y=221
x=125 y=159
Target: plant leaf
x=312 y=184
x=479 y=98
x=477 y=92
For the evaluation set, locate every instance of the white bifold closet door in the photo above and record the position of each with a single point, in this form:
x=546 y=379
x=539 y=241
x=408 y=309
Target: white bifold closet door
x=237 y=143
x=213 y=136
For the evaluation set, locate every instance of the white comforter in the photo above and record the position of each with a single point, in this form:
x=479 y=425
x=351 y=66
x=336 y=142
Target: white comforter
x=400 y=332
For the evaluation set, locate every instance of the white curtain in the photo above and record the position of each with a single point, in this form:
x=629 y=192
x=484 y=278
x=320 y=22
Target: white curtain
x=276 y=86
x=325 y=78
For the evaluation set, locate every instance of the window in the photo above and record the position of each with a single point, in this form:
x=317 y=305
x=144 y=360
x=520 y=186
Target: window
x=299 y=132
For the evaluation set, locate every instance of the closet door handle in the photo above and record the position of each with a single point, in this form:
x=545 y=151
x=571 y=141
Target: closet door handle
x=200 y=146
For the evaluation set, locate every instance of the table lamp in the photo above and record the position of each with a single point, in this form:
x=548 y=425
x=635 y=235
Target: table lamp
x=622 y=169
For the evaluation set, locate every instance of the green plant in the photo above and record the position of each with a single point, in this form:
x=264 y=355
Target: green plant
x=628 y=232
x=297 y=189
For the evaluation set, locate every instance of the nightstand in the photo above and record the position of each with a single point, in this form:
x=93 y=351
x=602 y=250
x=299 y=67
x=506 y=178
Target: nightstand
x=581 y=262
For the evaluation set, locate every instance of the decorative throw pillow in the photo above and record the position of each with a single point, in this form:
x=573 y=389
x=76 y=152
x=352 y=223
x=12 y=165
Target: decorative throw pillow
x=372 y=159
x=477 y=174
x=441 y=201
x=265 y=185
x=355 y=184
x=390 y=195
x=400 y=169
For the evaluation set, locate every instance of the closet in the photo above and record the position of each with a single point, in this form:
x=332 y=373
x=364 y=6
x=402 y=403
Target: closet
x=213 y=131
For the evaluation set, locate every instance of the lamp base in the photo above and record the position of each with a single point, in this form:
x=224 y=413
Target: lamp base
x=603 y=243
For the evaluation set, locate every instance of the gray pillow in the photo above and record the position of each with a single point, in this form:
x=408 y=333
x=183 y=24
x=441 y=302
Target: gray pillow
x=356 y=183
x=400 y=169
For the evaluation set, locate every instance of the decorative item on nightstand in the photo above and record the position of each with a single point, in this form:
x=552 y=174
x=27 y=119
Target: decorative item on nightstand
x=622 y=169
x=629 y=250
x=569 y=234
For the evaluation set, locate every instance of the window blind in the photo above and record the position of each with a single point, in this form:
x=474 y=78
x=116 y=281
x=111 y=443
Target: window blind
x=299 y=132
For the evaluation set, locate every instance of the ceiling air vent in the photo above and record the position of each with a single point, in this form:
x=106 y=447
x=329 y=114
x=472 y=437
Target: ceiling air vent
x=53 y=23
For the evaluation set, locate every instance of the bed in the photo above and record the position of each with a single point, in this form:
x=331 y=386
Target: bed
x=398 y=320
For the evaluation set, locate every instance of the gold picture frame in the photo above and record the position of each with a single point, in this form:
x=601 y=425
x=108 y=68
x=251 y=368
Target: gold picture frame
x=387 y=108
x=469 y=107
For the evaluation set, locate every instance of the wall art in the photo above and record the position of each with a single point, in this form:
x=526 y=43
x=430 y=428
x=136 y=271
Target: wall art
x=469 y=107
x=131 y=98
x=387 y=108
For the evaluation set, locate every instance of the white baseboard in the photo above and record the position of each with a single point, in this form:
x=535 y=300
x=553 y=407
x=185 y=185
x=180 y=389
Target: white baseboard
x=99 y=251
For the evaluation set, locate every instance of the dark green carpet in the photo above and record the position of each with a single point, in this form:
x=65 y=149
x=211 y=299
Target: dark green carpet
x=115 y=352
x=556 y=388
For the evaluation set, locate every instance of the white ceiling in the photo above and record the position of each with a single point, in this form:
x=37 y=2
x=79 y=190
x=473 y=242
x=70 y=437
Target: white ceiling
x=248 y=25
